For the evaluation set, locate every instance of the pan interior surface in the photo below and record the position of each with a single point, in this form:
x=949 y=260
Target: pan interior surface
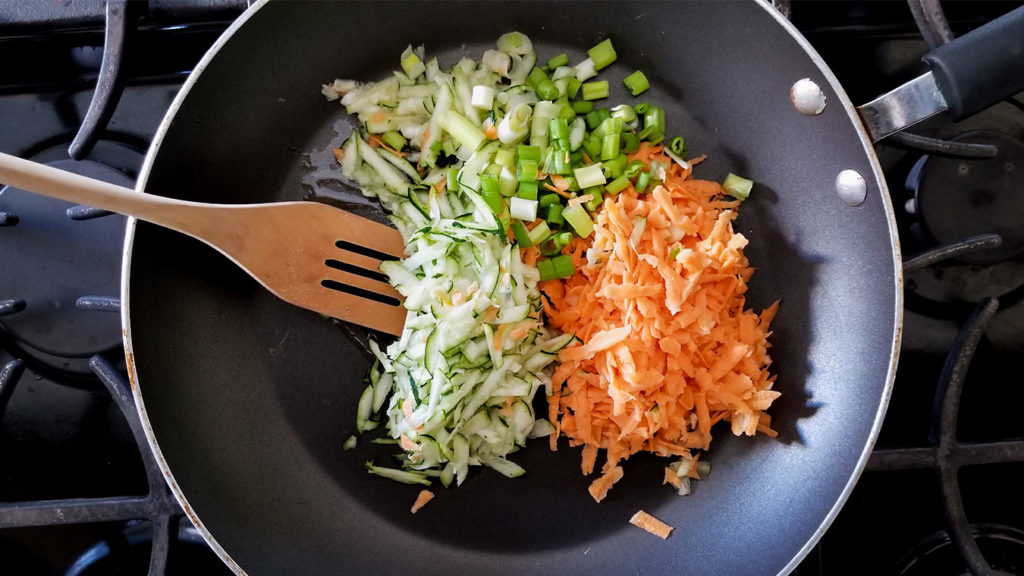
x=249 y=400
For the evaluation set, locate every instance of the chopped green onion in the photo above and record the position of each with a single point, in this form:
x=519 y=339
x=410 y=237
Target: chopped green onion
x=610 y=147
x=630 y=143
x=505 y=157
x=554 y=244
x=539 y=233
x=595 y=117
x=482 y=97
x=574 y=87
x=528 y=190
x=595 y=90
x=557 y=161
x=549 y=199
x=412 y=64
x=563 y=267
x=592 y=146
x=641 y=108
x=546 y=269
x=555 y=215
x=678 y=146
x=558 y=128
x=585 y=70
x=490 y=192
x=522 y=236
x=350 y=443
x=642 y=181
x=394 y=139
x=526 y=152
x=562 y=239
x=514 y=43
x=527 y=170
x=452 y=175
x=562 y=84
x=634 y=168
x=543 y=112
x=559 y=60
x=582 y=106
x=636 y=83
x=610 y=125
x=587 y=176
x=654 y=125
x=543 y=85
x=627 y=115
x=603 y=54
x=737 y=186
x=522 y=209
x=515 y=125
x=596 y=198
x=615 y=167
x=617 y=185
x=507 y=181
x=461 y=129
x=578 y=218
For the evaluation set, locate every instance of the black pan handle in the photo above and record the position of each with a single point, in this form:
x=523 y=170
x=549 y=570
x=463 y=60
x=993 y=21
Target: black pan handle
x=981 y=67
x=967 y=76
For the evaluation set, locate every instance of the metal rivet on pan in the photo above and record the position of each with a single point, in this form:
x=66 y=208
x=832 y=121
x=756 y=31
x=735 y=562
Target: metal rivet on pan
x=807 y=97
x=851 y=187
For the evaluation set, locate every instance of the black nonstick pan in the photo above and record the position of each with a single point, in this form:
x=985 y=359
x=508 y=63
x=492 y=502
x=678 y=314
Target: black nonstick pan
x=248 y=400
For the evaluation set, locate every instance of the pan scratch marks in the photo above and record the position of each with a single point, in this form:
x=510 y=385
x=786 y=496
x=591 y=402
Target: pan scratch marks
x=276 y=349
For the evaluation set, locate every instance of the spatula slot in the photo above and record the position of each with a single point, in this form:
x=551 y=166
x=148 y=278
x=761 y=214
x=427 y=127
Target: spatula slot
x=340 y=287
x=364 y=251
x=358 y=270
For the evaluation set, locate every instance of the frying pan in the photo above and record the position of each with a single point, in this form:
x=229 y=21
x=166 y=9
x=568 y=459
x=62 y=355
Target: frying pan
x=247 y=401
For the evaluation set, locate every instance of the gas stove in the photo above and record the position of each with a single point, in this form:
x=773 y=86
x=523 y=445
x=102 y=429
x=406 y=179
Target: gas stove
x=84 y=86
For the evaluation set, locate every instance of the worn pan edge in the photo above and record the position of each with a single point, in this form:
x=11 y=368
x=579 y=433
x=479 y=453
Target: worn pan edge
x=764 y=4
x=897 y=264
x=126 y=261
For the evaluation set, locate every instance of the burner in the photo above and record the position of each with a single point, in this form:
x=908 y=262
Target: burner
x=958 y=198
x=129 y=553
x=936 y=555
x=50 y=261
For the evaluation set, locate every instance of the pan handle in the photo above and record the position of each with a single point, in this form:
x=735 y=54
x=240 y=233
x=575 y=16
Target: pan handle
x=967 y=76
x=982 y=67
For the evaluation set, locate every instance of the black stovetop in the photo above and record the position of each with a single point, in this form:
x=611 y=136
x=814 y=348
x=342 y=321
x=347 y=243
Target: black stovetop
x=64 y=436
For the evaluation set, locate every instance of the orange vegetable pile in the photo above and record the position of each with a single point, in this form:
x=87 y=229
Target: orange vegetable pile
x=668 y=348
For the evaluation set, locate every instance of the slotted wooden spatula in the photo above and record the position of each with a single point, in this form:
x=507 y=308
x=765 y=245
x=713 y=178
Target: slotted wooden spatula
x=309 y=254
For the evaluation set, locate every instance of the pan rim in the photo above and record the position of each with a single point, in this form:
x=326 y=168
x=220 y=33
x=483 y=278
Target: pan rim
x=126 y=261
x=890 y=214
x=845 y=102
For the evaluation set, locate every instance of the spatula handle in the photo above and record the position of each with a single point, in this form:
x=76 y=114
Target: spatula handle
x=56 y=183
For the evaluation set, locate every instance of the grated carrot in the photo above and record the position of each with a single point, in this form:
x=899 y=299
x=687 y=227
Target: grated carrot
x=668 y=347
x=421 y=500
x=651 y=524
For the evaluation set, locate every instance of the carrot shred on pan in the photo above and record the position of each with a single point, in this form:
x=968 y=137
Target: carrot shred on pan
x=668 y=347
x=651 y=524
x=421 y=500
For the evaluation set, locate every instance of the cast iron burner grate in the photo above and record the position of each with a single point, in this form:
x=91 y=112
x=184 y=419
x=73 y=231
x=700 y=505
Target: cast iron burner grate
x=158 y=506
x=53 y=259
